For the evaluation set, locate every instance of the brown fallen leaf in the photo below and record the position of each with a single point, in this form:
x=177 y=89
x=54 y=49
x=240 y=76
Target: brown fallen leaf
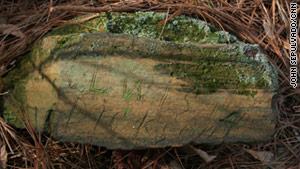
x=207 y=158
x=263 y=156
x=3 y=155
x=9 y=29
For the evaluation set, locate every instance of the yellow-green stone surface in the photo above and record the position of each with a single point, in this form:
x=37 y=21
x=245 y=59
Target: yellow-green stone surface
x=111 y=82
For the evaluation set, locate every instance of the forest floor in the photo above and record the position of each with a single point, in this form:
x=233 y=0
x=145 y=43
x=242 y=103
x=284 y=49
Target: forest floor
x=266 y=23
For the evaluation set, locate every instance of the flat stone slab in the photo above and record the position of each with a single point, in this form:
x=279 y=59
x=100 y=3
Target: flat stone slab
x=124 y=91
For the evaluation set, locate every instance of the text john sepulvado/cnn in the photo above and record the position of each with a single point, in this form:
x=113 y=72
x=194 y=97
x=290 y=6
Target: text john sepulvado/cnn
x=293 y=44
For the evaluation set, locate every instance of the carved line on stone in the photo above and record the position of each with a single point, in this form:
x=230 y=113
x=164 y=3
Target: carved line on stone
x=164 y=97
x=74 y=105
x=99 y=117
x=140 y=125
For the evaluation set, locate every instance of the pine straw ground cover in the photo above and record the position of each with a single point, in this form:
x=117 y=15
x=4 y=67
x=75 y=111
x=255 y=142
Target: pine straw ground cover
x=263 y=22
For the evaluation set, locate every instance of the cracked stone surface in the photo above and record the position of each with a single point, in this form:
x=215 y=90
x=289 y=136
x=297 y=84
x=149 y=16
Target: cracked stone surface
x=127 y=91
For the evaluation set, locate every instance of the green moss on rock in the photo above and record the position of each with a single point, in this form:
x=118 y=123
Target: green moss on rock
x=150 y=25
x=194 y=55
x=97 y=24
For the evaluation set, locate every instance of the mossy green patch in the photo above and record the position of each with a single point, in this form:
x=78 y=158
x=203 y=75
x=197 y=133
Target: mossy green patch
x=99 y=90
x=127 y=92
x=96 y=24
x=149 y=25
x=15 y=82
x=11 y=111
x=247 y=92
x=139 y=93
x=127 y=111
x=210 y=75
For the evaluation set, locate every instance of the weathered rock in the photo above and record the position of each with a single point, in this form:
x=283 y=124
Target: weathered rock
x=124 y=91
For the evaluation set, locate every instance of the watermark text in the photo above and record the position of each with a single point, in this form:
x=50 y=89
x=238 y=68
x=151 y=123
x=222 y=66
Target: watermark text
x=293 y=44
